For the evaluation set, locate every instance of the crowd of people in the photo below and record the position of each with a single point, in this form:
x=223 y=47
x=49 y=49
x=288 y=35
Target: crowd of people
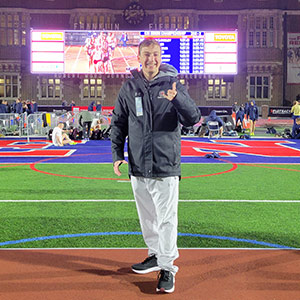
x=100 y=49
x=19 y=106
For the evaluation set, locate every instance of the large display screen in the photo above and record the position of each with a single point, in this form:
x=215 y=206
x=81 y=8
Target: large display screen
x=116 y=52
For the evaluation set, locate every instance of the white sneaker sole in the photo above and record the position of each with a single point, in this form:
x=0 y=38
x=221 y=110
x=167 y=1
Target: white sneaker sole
x=153 y=269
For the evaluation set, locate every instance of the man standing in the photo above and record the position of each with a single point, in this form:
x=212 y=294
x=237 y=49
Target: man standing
x=149 y=110
x=85 y=121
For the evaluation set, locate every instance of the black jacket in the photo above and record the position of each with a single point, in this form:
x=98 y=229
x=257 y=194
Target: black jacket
x=154 y=140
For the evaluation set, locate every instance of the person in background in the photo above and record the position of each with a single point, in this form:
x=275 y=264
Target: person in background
x=85 y=121
x=295 y=110
x=19 y=106
x=240 y=117
x=24 y=106
x=64 y=103
x=72 y=103
x=98 y=106
x=252 y=114
x=7 y=106
x=34 y=106
x=212 y=117
x=91 y=106
x=29 y=107
x=96 y=130
x=59 y=137
x=235 y=108
x=2 y=107
x=149 y=109
x=296 y=129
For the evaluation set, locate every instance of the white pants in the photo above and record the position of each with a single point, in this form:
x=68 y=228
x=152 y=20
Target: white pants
x=157 y=206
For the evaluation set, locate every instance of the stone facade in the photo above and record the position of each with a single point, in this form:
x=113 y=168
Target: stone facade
x=262 y=27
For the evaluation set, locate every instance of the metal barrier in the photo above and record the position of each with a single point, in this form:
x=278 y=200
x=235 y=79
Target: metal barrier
x=39 y=124
x=10 y=124
x=35 y=126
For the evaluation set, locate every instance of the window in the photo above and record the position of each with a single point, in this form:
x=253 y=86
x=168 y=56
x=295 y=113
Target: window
x=81 y=22
x=23 y=24
x=16 y=37
x=257 y=22
x=271 y=23
x=260 y=31
x=259 y=87
x=50 y=88
x=264 y=23
x=2 y=21
x=9 y=21
x=167 y=22
x=95 y=22
x=173 y=22
x=16 y=21
x=186 y=22
x=257 y=39
x=179 y=22
x=264 y=39
x=217 y=89
x=2 y=37
x=92 y=88
x=88 y=22
x=271 y=38
x=9 y=86
x=23 y=37
x=101 y=22
x=10 y=37
x=12 y=29
x=251 y=38
x=108 y=21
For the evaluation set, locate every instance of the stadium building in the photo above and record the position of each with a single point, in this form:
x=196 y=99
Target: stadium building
x=268 y=48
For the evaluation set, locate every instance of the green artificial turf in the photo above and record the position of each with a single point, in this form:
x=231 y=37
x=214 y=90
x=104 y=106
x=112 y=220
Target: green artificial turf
x=246 y=182
x=276 y=223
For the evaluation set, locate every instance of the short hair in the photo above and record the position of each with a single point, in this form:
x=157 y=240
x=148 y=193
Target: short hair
x=147 y=43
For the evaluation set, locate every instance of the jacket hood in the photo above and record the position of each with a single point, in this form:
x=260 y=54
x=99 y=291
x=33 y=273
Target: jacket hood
x=166 y=70
x=213 y=115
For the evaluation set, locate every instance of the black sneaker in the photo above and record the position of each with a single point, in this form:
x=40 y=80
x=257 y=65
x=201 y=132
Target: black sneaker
x=166 y=282
x=147 y=266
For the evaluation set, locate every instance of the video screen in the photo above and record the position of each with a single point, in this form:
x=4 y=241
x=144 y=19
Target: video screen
x=116 y=52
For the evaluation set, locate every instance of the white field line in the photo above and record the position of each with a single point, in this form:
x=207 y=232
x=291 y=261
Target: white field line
x=181 y=201
x=76 y=61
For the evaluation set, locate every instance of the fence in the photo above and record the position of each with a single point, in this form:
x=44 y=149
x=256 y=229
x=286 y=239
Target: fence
x=39 y=124
x=10 y=124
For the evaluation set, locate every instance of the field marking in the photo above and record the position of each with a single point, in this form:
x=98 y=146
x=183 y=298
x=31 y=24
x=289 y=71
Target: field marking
x=125 y=60
x=135 y=233
x=180 y=201
x=76 y=61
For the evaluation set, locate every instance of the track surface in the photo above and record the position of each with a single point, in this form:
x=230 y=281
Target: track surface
x=106 y=274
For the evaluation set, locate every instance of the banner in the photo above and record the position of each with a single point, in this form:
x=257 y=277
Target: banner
x=293 y=58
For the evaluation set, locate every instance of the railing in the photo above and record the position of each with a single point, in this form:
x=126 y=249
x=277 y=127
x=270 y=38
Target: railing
x=10 y=124
x=39 y=124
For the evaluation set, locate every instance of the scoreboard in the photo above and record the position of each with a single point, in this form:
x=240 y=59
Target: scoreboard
x=190 y=52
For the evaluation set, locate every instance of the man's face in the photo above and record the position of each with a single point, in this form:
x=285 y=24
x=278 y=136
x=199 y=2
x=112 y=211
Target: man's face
x=150 y=58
